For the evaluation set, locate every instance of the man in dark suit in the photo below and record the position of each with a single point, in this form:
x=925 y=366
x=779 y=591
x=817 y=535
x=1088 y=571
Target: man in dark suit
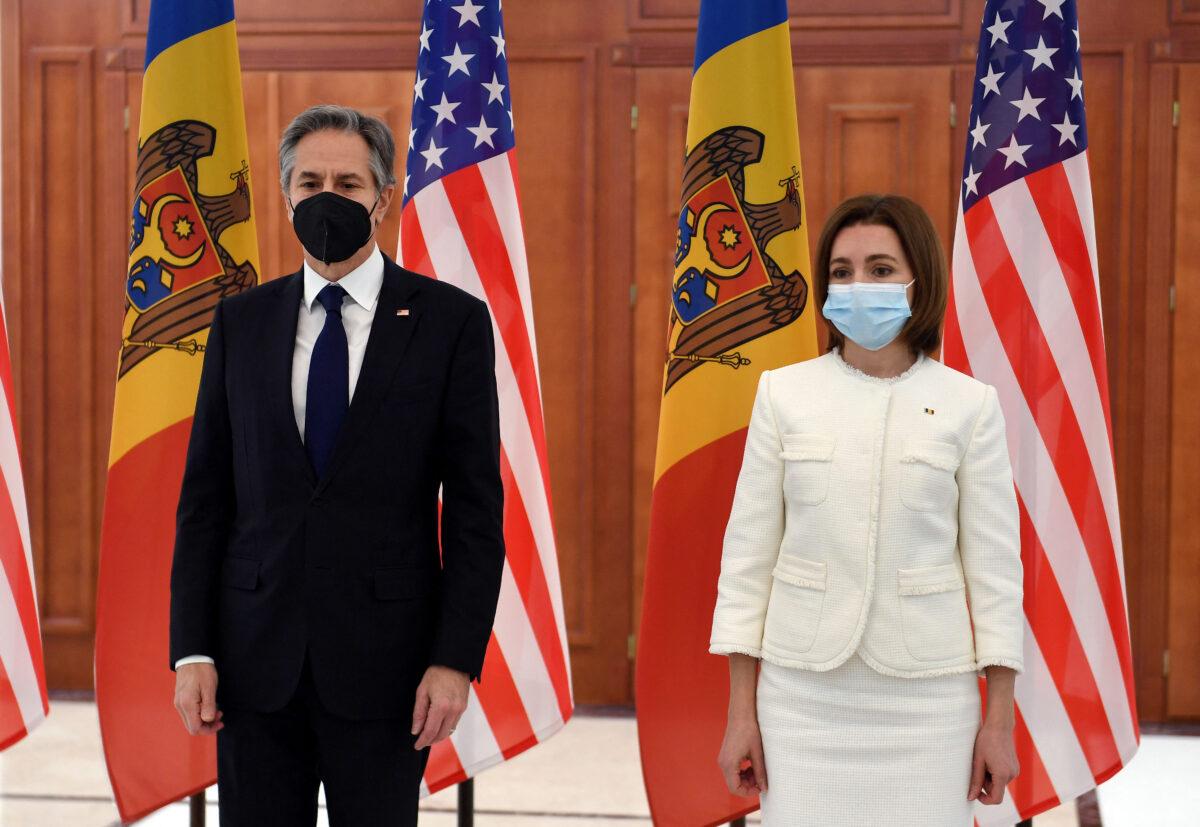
x=335 y=405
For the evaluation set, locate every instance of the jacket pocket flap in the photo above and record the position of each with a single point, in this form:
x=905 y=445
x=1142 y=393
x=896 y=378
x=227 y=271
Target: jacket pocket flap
x=932 y=452
x=812 y=447
x=396 y=584
x=809 y=574
x=930 y=580
x=241 y=573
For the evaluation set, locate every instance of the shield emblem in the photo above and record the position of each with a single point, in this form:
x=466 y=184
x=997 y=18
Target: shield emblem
x=717 y=257
x=170 y=247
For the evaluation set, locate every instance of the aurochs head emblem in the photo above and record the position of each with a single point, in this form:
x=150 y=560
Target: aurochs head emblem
x=727 y=291
x=178 y=270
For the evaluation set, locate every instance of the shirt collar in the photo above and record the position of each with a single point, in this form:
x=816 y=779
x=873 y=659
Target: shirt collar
x=362 y=283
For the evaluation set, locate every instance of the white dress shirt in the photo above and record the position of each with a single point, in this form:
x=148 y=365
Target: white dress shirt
x=358 y=311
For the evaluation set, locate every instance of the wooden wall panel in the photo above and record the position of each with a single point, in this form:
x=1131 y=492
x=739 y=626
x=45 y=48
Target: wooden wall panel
x=309 y=16
x=1148 y=540
x=1185 y=11
x=875 y=129
x=57 y=309
x=1183 y=630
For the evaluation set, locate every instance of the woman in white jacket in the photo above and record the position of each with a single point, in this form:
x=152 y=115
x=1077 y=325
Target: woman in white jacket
x=871 y=565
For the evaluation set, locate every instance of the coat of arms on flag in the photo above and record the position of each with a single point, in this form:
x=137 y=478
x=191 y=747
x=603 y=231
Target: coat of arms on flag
x=727 y=289
x=178 y=270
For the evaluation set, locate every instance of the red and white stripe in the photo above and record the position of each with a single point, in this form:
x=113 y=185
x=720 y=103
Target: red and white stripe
x=465 y=229
x=23 y=701
x=1025 y=317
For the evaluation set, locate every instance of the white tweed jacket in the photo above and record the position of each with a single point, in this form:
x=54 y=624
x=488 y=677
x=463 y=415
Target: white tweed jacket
x=875 y=516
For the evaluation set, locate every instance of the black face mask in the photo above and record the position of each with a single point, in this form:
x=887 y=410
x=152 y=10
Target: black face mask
x=332 y=227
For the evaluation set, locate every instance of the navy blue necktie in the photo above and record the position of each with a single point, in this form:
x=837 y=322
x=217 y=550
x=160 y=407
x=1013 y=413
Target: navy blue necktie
x=328 y=382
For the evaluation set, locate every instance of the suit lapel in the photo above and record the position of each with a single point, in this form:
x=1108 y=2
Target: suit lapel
x=391 y=332
x=279 y=332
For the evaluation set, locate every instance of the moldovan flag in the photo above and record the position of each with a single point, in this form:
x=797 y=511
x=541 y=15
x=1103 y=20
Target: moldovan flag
x=192 y=242
x=461 y=223
x=1025 y=317
x=740 y=305
x=23 y=701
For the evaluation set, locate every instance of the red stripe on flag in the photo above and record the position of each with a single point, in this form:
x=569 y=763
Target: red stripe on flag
x=6 y=379
x=1037 y=373
x=1056 y=205
x=1050 y=619
x=682 y=691
x=20 y=583
x=414 y=255
x=502 y=705
x=443 y=769
x=476 y=216
x=526 y=564
x=1032 y=790
x=12 y=725
x=151 y=759
x=954 y=352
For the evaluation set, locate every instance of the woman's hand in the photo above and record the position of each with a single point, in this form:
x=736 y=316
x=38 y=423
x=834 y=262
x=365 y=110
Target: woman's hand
x=741 y=756
x=995 y=764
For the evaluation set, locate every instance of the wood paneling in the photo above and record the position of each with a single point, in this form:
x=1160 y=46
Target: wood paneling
x=875 y=129
x=57 y=311
x=1185 y=11
x=1183 y=630
x=302 y=16
x=1148 y=543
x=875 y=80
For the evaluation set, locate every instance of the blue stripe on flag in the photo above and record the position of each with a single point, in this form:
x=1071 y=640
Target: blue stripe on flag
x=724 y=22
x=172 y=21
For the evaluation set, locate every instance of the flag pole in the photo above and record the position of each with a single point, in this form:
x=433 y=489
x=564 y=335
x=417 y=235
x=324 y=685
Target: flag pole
x=466 y=803
x=196 y=809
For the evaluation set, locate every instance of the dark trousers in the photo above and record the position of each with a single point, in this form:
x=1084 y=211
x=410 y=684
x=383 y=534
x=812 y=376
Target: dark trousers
x=270 y=764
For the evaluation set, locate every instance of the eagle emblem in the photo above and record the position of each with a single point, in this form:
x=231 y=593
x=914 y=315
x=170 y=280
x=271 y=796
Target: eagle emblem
x=727 y=290
x=178 y=270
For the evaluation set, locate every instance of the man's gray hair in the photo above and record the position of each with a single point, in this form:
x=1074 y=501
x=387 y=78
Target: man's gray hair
x=342 y=119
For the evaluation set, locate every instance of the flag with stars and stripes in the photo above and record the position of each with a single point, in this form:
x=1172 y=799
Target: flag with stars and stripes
x=23 y=700
x=461 y=223
x=1025 y=317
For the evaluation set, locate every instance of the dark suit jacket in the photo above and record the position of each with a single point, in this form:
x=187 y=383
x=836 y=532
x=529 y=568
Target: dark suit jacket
x=271 y=562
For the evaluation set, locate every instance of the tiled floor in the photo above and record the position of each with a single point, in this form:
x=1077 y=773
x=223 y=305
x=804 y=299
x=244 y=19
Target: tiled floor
x=587 y=776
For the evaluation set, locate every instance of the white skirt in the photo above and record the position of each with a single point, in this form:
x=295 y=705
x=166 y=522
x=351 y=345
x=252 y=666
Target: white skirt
x=853 y=747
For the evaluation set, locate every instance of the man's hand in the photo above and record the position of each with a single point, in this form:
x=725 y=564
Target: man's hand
x=196 y=698
x=441 y=701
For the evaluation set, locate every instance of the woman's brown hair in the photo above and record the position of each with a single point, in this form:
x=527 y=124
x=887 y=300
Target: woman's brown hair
x=922 y=248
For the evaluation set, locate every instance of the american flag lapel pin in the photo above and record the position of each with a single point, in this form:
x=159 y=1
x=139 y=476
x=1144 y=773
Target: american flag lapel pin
x=403 y=311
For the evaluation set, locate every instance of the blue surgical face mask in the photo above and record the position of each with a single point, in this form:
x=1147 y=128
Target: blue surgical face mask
x=871 y=314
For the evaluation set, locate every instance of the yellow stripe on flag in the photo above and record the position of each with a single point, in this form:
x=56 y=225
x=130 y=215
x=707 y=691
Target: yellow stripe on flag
x=744 y=84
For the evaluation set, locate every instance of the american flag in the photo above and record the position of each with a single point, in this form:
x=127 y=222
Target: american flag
x=461 y=223
x=23 y=701
x=1025 y=317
